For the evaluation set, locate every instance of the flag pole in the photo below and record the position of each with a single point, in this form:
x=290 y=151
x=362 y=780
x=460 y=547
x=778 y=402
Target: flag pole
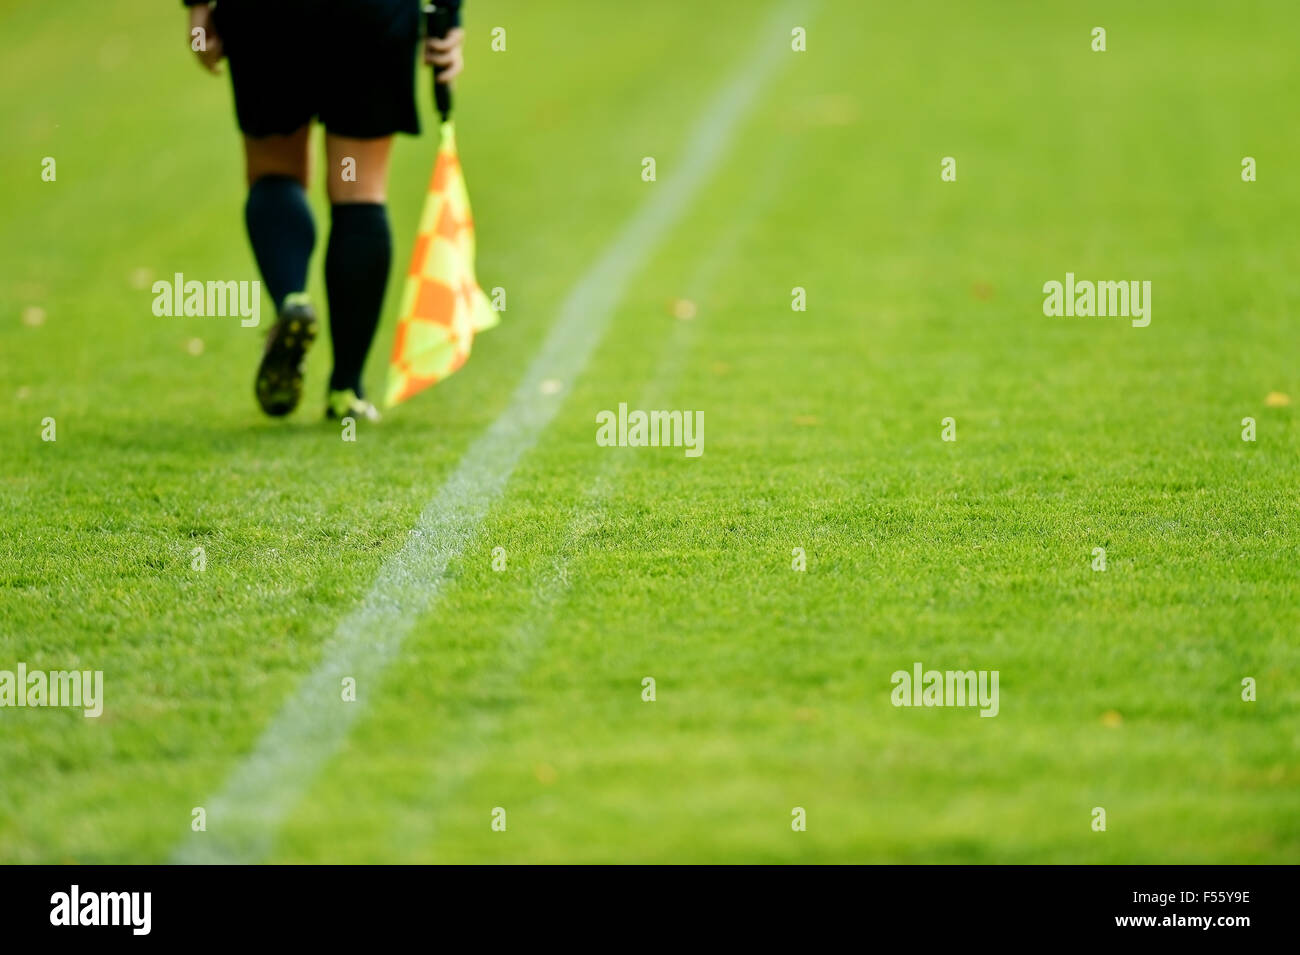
x=439 y=20
x=443 y=307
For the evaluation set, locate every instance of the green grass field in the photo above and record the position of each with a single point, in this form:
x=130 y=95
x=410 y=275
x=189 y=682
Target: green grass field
x=522 y=689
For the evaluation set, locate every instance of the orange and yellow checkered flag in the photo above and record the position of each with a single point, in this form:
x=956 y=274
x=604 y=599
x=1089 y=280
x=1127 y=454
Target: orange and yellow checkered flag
x=442 y=304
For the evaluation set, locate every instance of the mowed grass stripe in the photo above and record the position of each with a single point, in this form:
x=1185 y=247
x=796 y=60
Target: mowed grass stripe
x=474 y=736
x=266 y=785
x=447 y=710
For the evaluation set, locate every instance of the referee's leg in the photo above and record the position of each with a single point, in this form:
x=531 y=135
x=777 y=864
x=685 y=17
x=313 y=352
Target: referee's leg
x=279 y=220
x=360 y=250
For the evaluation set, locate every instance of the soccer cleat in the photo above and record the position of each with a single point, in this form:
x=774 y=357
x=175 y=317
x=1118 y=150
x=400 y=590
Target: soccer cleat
x=279 y=376
x=348 y=404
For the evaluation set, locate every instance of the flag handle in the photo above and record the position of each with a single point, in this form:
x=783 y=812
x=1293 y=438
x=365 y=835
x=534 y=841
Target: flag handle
x=439 y=19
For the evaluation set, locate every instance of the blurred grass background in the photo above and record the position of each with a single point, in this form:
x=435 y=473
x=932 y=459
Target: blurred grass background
x=522 y=689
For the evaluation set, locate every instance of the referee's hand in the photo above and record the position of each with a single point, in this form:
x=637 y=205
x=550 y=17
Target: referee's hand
x=446 y=53
x=204 y=40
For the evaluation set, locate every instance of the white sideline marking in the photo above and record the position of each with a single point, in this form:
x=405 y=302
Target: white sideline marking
x=313 y=723
x=473 y=735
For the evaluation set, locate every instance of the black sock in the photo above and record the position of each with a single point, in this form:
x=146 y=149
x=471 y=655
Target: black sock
x=356 y=272
x=282 y=233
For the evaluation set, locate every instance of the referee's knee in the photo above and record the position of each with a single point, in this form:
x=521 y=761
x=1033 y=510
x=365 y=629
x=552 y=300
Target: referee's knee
x=278 y=156
x=357 y=168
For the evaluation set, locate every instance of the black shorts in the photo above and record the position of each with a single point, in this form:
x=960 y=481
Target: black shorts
x=350 y=63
